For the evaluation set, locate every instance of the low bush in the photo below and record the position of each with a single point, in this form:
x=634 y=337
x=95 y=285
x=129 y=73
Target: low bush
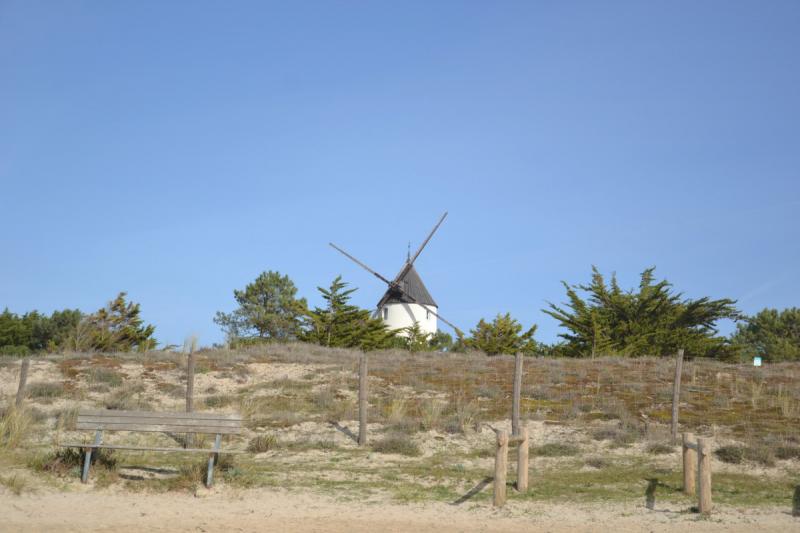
x=262 y=443
x=65 y=460
x=737 y=454
x=107 y=376
x=556 y=449
x=45 y=390
x=659 y=448
x=219 y=401
x=730 y=454
x=397 y=443
x=788 y=452
x=598 y=462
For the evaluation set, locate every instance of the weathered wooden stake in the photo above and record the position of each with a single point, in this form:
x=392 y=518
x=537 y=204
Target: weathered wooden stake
x=689 y=465
x=23 y=381
x=704 y=473
x=676 y=394
x=516 y=396
x=189 y=442
x=362 y=400
x=500 y=468
x=522 y=461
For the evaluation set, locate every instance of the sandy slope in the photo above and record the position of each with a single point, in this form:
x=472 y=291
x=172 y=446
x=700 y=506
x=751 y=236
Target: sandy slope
x=280 y=511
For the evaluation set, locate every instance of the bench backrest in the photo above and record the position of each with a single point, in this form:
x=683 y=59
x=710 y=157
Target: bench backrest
x=108 y=420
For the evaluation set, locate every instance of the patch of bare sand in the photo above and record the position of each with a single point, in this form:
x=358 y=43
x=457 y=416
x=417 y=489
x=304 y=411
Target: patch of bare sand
x=273 y=510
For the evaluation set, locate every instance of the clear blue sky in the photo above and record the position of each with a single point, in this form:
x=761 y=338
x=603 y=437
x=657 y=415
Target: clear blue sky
x=175 y=150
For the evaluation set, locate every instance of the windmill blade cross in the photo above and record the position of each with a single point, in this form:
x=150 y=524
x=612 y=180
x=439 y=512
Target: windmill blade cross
x=362 y=265
x=410 y=262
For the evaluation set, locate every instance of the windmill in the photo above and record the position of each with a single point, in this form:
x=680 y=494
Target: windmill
x=407 y=300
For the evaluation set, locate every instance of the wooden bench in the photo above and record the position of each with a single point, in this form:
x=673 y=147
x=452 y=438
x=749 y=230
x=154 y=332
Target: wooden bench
x=143 y=421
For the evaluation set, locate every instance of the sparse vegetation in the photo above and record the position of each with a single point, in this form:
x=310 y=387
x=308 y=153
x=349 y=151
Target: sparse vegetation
x=308 y=398
x=15 y=483
x=397 y=443
x=262 y=443
x=15 y=424
x=556 y=449
x=659 y=448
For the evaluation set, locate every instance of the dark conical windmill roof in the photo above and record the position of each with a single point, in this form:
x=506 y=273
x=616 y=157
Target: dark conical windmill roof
x=411 y=284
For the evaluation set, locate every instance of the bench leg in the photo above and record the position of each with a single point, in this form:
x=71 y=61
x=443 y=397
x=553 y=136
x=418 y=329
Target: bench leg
x=211 y=459
x=87 y=460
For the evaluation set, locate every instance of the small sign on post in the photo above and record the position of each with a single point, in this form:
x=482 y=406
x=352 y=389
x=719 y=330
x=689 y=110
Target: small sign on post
x=757 y=361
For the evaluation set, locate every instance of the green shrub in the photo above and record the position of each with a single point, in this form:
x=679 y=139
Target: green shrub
x=788 y=452
x=221 y=400
x=659 y=448
x=730 y=454
x=19 y=351
x=397 y=443
x=556 y=449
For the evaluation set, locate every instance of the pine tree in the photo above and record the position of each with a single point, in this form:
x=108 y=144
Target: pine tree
x=771 y=334
x=342 y=325
x=268 y=309
x=117 y=327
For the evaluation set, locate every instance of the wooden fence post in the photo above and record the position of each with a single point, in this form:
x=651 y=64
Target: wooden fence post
x=676 y=394
x=704 y=473
x=23 y=381
x=515 y=402
x=362 y=400
x=190 y=393
x=796 y=502
x=522 y=461
x=689 y=465
x=500 y=468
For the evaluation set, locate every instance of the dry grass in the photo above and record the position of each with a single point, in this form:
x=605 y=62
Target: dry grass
x=15 y=425
x=14 y=483
x=606 y=419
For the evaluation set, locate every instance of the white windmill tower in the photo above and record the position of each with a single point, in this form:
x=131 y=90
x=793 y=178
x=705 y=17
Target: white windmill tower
x=407 y=300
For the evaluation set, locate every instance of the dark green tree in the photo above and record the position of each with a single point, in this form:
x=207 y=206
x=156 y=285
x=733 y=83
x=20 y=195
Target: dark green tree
x=268 y=309
x=503 y=335
x=35 y=332
x=441 y=342
x=342 y=325
x=652 y=320
x=771 y=334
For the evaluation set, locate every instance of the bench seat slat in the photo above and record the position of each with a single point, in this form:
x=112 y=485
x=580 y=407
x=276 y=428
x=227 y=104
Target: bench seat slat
x=159 y=414
x=149 y=448
x=157 y=428
x=157 y=421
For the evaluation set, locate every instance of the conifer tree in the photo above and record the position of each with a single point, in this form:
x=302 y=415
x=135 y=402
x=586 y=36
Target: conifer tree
x=653 y=320
x=268 y=309
x=117 y=327
x=342 y=325
x=503 y=335
x=771 y=334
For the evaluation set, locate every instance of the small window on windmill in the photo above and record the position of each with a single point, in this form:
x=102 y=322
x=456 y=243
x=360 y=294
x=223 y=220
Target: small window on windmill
x=427 y=314
x=386 y=313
